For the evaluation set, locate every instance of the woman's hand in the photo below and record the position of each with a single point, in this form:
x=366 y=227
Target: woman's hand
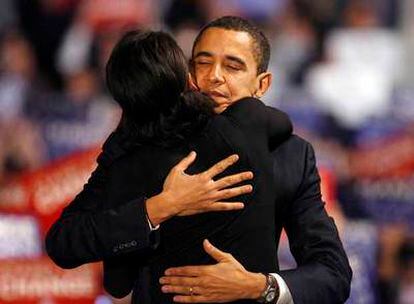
x=185 y=194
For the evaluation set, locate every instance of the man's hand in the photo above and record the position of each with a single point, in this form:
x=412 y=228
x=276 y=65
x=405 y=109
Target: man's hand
x=185 y=194
x=223 y=282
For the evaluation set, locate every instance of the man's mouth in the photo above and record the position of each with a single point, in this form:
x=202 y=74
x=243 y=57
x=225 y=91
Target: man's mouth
x=213 y=94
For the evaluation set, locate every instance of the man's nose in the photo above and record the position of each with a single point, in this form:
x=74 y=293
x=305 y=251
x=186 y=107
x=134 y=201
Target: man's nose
x=216 y=74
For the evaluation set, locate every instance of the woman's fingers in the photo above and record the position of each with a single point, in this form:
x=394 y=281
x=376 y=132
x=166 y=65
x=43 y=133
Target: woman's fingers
x=221 y=166
x=186 y=162
x=232 y=192
x=225 y=206
x=231 y=180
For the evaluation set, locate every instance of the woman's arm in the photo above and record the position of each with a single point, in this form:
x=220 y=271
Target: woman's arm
x=86 y=232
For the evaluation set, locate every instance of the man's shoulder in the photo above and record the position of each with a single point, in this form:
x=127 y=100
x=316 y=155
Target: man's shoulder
x=294 y=147
x=291 y=165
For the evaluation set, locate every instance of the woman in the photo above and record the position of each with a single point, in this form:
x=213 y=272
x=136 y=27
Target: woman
x=162 y=121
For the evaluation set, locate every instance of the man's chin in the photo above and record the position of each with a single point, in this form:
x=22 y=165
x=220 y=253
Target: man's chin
x=221 y=103
x=219 y=109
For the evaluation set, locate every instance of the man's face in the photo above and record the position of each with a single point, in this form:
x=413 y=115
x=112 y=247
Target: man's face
x=224 y=66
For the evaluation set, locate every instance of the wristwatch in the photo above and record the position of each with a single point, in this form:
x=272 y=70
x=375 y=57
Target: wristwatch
x=271 y=293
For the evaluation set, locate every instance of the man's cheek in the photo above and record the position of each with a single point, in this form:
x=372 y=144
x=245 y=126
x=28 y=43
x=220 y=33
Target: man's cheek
x=201 y=80
x=238 y=89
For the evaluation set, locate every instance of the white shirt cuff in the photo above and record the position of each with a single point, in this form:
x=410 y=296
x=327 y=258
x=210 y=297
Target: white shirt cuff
x=152 y=228
x=284 y=293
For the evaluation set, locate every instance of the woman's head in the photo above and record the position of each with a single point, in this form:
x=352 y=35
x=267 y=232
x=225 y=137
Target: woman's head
x=146 y=73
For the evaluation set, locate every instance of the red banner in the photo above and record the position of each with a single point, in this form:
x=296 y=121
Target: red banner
x=40 y=281
x=384 y=158
x=43 y=193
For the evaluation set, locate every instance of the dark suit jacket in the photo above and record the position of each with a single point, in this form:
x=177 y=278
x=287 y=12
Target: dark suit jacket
x=115 y=230
x=247 y=128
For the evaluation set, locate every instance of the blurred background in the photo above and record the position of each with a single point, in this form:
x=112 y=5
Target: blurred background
x=342 y=70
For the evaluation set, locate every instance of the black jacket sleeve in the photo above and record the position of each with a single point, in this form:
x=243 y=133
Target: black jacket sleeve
x=86 y=231
x=323 y=274
x=260 y=119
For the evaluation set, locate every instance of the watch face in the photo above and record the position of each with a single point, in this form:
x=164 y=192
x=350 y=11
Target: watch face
x=270 y=296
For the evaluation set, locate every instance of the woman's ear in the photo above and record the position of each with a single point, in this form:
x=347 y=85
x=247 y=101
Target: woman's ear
x=191 y=83
x=264 y=80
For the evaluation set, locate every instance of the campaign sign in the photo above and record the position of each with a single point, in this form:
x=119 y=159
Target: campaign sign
x=45 y=192
x=40 y=281
x=19 y=236
x=384 y=178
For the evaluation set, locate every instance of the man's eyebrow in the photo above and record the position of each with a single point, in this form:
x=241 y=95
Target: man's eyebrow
x=203 y=53
x=236 y=59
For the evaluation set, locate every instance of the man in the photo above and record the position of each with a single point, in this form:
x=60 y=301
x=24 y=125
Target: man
x=230 y=59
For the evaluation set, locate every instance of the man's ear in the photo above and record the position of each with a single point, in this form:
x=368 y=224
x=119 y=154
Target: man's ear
x=264 y=81
x=191 y=83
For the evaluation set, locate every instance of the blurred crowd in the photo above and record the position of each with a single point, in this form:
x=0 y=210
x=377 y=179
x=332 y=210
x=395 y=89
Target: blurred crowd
x=342 y=70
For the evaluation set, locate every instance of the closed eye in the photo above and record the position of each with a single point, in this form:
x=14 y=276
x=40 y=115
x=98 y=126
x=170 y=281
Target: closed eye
x=233 y=68
x=202 y=62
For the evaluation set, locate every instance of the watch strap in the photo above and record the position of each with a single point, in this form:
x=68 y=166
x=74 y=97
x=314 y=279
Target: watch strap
x=271 y=292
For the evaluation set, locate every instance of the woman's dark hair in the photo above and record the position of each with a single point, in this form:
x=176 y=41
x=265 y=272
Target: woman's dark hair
x=147 y=75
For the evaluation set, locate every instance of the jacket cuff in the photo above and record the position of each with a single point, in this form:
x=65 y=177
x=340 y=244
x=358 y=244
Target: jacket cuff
x=128 y=229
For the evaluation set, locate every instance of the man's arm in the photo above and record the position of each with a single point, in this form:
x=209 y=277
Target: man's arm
x=323 y=274
x=259 y=119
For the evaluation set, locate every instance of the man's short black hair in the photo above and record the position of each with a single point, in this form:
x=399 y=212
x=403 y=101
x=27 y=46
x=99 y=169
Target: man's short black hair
x=261 y=47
